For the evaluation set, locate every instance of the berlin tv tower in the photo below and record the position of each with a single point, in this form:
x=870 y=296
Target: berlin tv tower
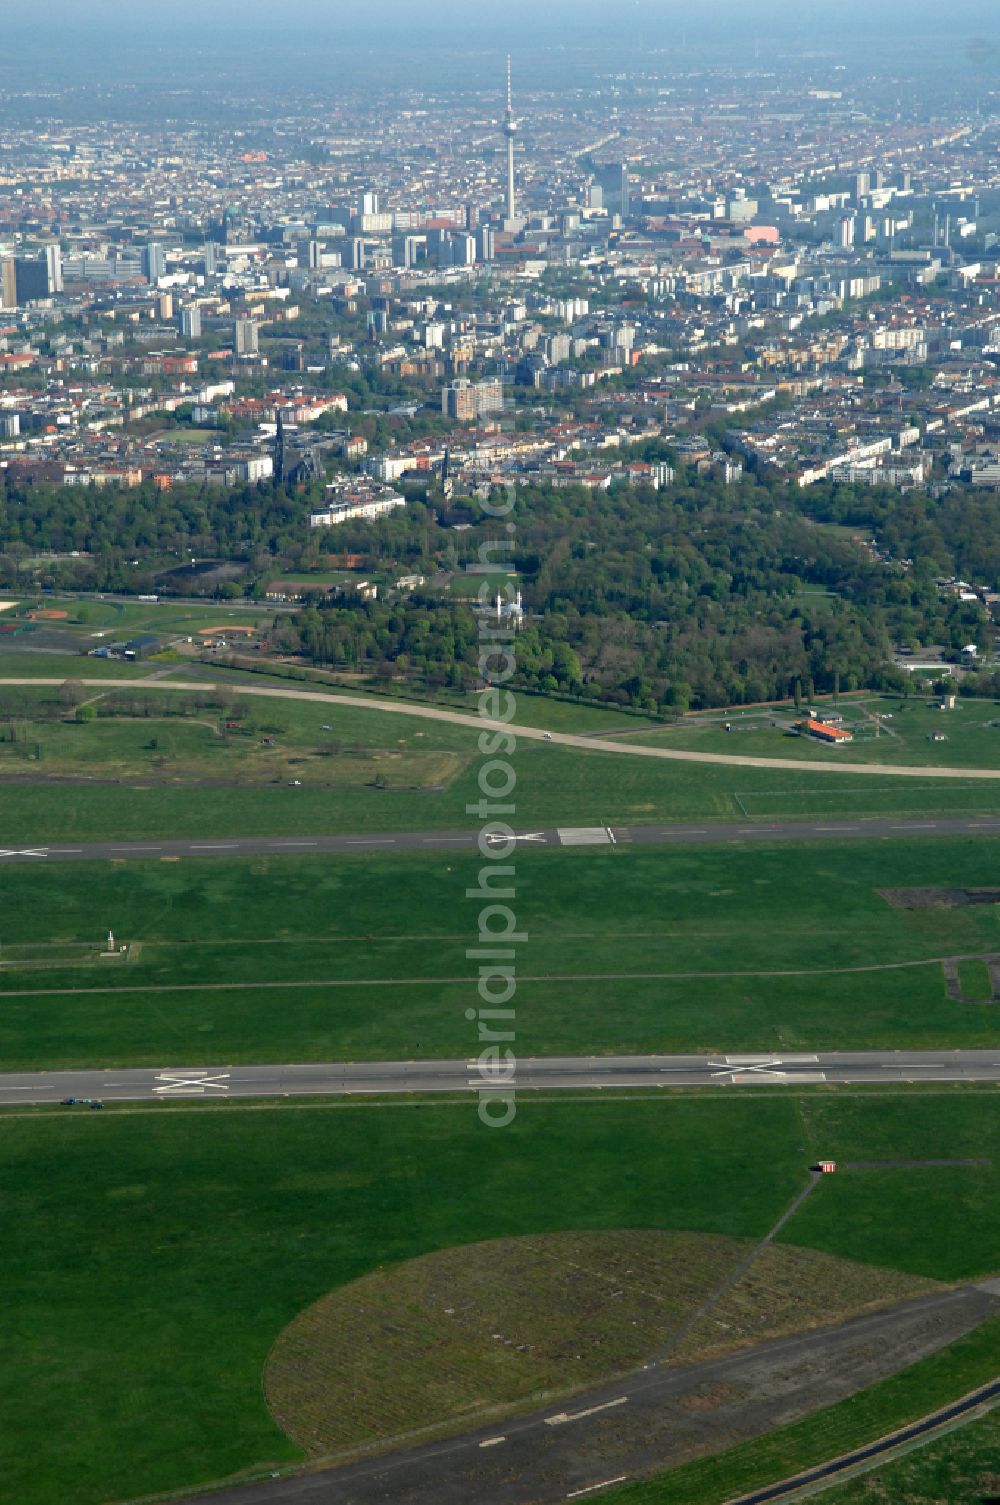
x=509 y=128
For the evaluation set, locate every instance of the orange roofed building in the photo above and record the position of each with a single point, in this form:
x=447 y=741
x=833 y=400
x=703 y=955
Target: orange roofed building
x=824 y=732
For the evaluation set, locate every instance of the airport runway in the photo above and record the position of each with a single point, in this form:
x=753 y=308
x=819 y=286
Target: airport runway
x=531 y=838
x=531 y=1074
x=648 y=1419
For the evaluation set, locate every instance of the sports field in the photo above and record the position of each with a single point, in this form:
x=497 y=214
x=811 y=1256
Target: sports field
x=152 y=1254
x=646 y=949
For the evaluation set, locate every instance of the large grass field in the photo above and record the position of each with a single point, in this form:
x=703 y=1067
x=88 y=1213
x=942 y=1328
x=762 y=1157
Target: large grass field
x=907 y=733
x=556 y=786
x=648 y=949
x=402 y=773
x=230 y=740
x=154 y=1255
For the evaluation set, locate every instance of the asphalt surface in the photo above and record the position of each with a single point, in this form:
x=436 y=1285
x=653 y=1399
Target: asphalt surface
x=536 y=1074
x=652 y=1418
x=551 y=836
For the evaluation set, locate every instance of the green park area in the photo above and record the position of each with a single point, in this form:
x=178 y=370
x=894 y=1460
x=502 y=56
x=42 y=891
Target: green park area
x=657 y=949
x=154 y=1253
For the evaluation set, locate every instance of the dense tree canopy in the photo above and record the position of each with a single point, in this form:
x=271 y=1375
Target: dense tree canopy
x=700 y=594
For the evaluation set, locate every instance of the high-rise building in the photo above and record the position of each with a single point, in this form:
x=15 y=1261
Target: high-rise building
x=53 y=267
x=465 y=402
x=407 y=250
x=246 y=337
x=861 y=184
x=190 y=323
x=154 y=261
x=368 y=203
x=845 y=231
x=31 y=279
x=612 y=181
x=463 y=250
x=8 y=283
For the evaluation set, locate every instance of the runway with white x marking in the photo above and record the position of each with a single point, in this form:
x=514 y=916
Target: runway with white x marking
x=531 y=1074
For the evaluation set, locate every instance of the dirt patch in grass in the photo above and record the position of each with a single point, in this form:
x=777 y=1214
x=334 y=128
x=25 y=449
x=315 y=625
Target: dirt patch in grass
x=485 y=1330
x=938 y=898
x=789 y=1290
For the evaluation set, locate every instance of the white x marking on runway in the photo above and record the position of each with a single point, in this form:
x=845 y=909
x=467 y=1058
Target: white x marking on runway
x=176 y=1081
x=25 y=852
x=497 y=836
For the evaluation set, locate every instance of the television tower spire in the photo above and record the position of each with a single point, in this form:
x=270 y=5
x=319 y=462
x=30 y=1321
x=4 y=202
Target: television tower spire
x=509 y=128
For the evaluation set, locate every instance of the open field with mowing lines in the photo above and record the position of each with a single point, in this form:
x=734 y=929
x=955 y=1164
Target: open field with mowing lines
x=644 y=949
x=153 y=1255
x=556 y=786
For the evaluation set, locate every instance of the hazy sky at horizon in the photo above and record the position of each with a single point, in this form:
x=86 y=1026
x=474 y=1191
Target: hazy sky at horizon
x=466 y=18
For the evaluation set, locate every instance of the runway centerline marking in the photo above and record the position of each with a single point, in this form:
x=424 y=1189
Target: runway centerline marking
x=589 y=1489
x=563 y=1417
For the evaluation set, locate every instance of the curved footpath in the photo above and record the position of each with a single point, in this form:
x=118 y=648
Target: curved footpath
x=536 y=734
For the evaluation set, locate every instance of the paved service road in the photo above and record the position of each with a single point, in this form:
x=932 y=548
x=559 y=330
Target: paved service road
x=539 y=1074
x=562 y=836
x=536 y=734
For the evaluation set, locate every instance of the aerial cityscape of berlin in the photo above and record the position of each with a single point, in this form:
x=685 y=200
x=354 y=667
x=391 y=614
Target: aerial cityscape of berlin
x=500 y=753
